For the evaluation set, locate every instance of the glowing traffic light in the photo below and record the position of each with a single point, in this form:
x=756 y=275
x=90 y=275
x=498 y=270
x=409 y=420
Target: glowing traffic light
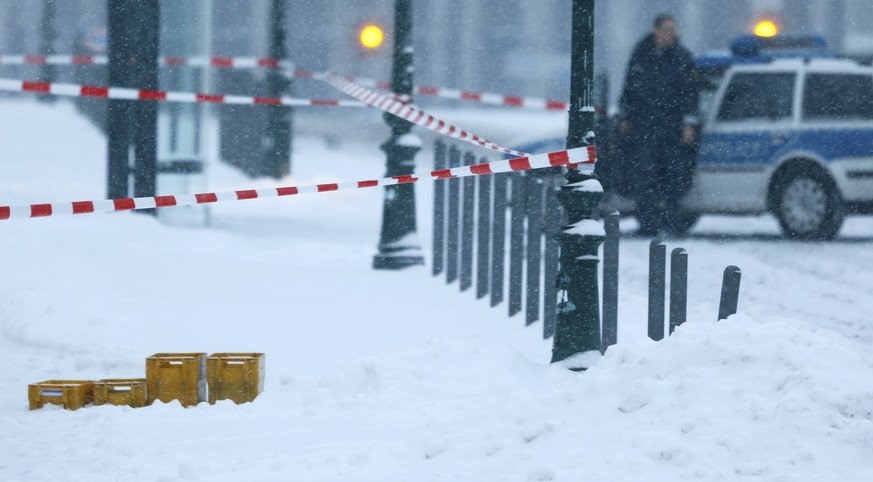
x=766 y=28
x=371 y=37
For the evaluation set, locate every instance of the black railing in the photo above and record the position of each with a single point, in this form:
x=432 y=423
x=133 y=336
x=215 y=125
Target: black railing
x=470 y=236
x=496 y=233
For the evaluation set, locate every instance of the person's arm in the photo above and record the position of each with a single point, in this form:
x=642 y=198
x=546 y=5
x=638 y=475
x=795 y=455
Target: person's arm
x=629 y=94
x=690 y=100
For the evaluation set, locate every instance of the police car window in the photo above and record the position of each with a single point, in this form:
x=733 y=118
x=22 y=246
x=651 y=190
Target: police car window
x=758 y=95
x=838 y=97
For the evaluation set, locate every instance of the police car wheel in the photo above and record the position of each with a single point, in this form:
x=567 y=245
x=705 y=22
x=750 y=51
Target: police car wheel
x=808 y=205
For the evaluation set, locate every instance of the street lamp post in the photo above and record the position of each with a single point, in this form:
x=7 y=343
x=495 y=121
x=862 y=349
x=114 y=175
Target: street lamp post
x=578 y=312
x=398 y=244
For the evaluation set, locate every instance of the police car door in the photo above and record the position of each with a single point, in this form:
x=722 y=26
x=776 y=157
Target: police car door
x=752 y=123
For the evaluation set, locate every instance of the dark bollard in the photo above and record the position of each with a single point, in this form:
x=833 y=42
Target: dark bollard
x=467 y=216
x=516 y=242
x=657 y=287
x=730 y=292
x=483 y=234
x=498 y=238
x=610 y=280
x=678 y=288
x=439 y=209
x=454 y=223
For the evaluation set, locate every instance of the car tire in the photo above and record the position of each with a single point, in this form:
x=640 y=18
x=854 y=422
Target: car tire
x=807 y=204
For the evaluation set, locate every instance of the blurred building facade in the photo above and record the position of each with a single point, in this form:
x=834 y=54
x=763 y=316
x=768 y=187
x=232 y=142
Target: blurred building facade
x=511 y=46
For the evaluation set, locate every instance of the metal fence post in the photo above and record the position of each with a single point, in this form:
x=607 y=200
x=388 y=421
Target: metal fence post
x=657 y=286
x=439 y=209
x=454 y=225
x=730 y=292
x=483 y=234
x=498 y=238
x=678 y=288
x=516 y=242
x=551 y=261
x=534 y=247
x=610 y=280
x=467 y=235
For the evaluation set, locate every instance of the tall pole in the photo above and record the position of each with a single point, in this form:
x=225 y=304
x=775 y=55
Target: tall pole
x=578 y=311
x=134 y=31
x=118 y=123
x=277 y=155
x=49 y=30
x=398 y=245
x=146 y=75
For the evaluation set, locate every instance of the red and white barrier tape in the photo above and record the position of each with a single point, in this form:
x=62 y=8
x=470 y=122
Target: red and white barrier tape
x=123 y=93
x=267 y=62
x=391 y=105
x=472 y=96
x=227 y=62
x=581 y=158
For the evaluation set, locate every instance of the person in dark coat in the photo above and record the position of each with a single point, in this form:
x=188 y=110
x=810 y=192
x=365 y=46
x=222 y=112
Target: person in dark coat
x=657 y=112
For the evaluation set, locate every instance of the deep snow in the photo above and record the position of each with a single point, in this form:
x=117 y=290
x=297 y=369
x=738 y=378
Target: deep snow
x=380 y=376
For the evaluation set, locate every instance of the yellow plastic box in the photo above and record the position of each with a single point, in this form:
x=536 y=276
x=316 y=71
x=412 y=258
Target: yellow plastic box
x=235 y=376
x=132 y=392
x=71 y=394
x=176 y=376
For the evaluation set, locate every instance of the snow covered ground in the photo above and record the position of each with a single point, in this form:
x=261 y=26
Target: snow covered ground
x=394 y=376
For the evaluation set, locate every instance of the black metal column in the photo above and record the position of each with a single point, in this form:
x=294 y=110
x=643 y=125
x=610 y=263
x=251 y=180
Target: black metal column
x=119 y=111
x=134 y=29
x=49 y=32
x=147 y=18
x=277 y=152
x=398 y=245
x=578 y=319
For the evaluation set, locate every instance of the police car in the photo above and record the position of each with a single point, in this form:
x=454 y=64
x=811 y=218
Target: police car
x=787 y=128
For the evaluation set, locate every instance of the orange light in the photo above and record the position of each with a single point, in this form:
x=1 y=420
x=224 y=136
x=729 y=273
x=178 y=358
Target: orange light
x=766 y=28
x=371 y=37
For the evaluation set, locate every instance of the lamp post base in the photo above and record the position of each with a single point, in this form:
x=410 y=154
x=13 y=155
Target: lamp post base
x=396 y=261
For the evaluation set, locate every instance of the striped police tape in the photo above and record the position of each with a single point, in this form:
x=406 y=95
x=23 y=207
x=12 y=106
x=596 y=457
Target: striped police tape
x=387 y=103
x=124 y=93
x=409 y=112
x=581 y=158
x=488 y=98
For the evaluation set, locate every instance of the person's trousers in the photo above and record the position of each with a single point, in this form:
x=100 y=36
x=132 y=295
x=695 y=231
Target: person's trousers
x=659 y=168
